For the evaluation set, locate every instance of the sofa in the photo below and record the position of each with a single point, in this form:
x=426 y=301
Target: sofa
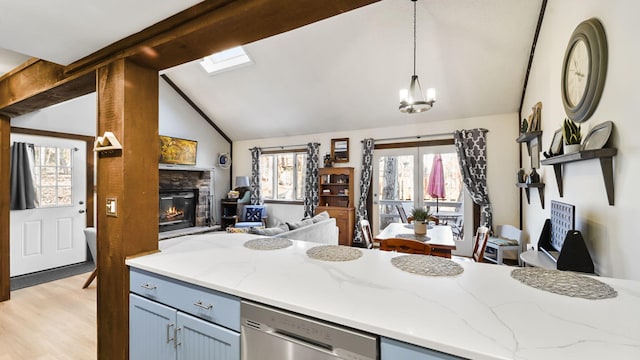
x=319 y=229
x=324 y=232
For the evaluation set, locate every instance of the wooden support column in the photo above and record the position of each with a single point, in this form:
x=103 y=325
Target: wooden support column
x=5 y=132
x=127 y=107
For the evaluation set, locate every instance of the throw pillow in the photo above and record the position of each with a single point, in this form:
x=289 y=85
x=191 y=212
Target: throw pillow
x=320 y=217
x=237 y=230
x=253 y=214
x=272 y=231
x=299 y=224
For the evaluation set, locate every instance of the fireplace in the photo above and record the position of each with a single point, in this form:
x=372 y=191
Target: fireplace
x=177 y=209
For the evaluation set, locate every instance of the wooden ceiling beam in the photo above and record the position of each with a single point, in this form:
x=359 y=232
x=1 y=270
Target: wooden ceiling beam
x=213 y=26
x=38 y=84
x=203 y=29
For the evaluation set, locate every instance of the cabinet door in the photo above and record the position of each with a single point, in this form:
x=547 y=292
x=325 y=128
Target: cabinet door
x=200 y=340
x=395 y=350
x=151 y=330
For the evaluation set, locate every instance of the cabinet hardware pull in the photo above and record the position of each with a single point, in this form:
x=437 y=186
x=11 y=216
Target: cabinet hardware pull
x=176 y=343
x=148 y=286
x=201 y=305
x=169 y=338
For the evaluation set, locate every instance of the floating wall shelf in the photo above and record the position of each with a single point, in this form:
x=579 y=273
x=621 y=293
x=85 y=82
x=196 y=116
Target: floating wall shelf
x=526 y=188
x=527 y=137
x=606 y=163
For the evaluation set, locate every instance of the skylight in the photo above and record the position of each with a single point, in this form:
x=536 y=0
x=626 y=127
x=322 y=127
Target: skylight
x=225 y=60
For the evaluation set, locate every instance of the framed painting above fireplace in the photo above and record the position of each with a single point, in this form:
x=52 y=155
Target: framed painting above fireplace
x=177 y=151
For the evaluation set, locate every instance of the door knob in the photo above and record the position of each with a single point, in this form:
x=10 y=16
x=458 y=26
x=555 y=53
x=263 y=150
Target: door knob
x=81 y=211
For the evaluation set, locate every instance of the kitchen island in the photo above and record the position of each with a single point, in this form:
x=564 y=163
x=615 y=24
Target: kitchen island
x=482 y=313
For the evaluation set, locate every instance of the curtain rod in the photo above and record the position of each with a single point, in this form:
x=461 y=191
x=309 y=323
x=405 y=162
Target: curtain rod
x=413 y=137
x=282 y=147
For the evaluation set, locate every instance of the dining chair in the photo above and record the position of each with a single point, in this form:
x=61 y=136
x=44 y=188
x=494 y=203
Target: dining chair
x=405 y=246
x=402 y=213
x=91 y=236
x=480 y=243
x=367 y=236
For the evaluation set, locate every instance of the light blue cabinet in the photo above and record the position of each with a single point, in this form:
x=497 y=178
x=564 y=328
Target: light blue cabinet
x=170 y=320
x=395 y=350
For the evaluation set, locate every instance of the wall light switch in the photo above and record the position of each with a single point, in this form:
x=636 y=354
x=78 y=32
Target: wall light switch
x=112 y=206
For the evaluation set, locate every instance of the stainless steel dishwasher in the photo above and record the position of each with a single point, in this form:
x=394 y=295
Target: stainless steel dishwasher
x=272 y=334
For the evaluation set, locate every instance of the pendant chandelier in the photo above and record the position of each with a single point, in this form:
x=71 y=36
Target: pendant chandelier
x=412 y=100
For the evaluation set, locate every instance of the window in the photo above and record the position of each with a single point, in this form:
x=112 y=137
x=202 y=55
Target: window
x=225 y=60
x=53 y=170
x=282 y=175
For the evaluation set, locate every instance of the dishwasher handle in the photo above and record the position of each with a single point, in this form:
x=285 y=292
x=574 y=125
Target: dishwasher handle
x=302 y=341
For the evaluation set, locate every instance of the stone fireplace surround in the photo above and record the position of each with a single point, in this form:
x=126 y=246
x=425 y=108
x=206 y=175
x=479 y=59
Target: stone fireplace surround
x=183 y=177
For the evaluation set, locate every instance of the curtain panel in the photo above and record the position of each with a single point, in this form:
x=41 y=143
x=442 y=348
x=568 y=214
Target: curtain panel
x=23 y=188
x=471 y=146
x=365 y=183
x=256 y=196
x=311 y=179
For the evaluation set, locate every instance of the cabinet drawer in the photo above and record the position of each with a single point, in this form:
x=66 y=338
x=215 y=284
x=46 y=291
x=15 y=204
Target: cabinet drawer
x=204 y=303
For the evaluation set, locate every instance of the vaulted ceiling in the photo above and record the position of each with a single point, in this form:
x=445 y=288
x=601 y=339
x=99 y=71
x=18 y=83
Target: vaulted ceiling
x=341 y=73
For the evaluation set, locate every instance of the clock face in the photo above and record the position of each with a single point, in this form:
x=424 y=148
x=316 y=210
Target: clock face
x=584 y=70
x=577 y=72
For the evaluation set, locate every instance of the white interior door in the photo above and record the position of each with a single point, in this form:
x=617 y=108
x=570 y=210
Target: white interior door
x=51 y=235
x=401 y=176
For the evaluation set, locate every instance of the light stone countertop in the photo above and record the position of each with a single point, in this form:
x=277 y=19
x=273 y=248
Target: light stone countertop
x=481 y=314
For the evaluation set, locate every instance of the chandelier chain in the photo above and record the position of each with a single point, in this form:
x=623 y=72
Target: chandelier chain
x=414 y=36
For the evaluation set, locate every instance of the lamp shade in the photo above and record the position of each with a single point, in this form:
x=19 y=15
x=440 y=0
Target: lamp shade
x=242 y=181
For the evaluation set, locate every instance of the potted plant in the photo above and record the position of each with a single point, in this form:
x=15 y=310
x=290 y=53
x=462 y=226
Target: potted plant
x=572 y=136
x=420 y=218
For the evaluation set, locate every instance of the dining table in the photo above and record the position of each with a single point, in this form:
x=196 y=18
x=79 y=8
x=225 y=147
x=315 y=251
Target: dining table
x=438 y=237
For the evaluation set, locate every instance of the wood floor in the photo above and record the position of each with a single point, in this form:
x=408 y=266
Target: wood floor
x=56 y=320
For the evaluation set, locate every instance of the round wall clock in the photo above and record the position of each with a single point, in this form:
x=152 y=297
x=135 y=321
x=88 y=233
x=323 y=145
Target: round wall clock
x=584 y=70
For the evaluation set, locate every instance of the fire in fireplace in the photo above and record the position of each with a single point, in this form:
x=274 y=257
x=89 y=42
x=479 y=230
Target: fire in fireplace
x=177 y=209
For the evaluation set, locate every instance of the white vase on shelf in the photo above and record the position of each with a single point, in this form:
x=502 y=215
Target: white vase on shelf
x=571 y=148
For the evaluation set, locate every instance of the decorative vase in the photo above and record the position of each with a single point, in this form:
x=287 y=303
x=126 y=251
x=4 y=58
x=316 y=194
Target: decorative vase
x=571 y=148
x=420 y=227
x=534 y=177
x=521 y=176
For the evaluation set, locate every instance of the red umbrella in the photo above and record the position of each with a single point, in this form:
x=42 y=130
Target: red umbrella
x=436 y=180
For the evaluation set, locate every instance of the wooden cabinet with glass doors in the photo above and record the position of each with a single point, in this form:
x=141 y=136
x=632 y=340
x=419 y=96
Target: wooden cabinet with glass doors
x=335 y=192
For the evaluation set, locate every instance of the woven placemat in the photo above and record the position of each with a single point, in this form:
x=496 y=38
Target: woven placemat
x=413 y=237
x=564 y=283
x=334 y=253
x=427 y=265
x=268 y=243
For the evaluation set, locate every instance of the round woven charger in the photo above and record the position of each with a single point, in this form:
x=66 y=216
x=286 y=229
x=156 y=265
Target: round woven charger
x=427 y=265
x=268 y=243
x=334 y=253
x=564 y=283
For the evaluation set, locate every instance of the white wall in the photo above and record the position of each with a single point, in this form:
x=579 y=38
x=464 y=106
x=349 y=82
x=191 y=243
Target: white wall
x=611 y=232
x=502 y=152
x=176 y=118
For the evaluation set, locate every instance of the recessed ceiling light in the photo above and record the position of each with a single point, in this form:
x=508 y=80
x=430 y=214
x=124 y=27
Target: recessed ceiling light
x=225 y=60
